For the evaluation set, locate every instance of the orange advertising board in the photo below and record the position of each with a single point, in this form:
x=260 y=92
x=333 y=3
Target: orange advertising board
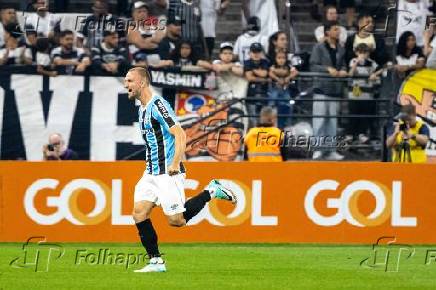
x=278 y=202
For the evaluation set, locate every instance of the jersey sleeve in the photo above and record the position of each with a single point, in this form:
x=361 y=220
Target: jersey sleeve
x=163 y=112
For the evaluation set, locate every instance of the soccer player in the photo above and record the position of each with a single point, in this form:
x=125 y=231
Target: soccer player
x=162 y=182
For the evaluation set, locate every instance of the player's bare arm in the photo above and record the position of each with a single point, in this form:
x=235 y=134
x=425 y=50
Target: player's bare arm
x=180 y=147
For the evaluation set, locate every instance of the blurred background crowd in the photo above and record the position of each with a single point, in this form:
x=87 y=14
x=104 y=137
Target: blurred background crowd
x=354 y=49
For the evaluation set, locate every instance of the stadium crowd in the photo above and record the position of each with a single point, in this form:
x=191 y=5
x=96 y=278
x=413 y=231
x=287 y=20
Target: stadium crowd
x=181 y=33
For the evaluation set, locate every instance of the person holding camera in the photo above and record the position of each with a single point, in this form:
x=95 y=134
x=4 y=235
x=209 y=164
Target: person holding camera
x=409 y=137
x=57 y=150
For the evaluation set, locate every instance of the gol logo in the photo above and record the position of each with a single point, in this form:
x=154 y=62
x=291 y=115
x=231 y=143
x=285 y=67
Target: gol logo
x=67 y=202
x=388 y=204
x=108 y=202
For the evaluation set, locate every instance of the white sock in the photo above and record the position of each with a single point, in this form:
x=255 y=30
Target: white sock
x=211 y=192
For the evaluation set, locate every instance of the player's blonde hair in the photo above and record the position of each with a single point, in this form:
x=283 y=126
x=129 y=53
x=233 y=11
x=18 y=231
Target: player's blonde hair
x=143 y=72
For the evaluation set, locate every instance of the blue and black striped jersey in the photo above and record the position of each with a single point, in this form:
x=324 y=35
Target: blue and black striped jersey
x=155 y=121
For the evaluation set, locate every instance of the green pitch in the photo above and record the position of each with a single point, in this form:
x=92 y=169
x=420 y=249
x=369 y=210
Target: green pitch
x=217 y=266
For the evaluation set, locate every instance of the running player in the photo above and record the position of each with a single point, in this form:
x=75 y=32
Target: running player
x=162 y=182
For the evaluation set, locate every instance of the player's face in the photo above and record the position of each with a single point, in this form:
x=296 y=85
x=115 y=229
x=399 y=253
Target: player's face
x=133 y=85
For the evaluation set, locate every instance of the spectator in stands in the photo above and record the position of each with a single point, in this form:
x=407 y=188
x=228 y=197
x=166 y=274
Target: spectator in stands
x=158 y=8
x=277 y=42
x=256 y=73
x=281 y=74
x=429 y=38
x=31 y=38
x=327 y=57
x=7 y=15
x=225 y=62
x=249 y=36
x=263 y=143
x=189 y=11
x=210 y=9
x=144 y=36
x=43 y=61
x=350 y=11
x=92 y=28
x=172 y=37
x=412 y=16
x=365 y=35
x=361 y=91
x=45 y=23
x=14 y=51
x=109 y=57
x=431 y=59
x=430 y=45
x=68 y=55
x=265 y=11
x=331 y=14
x=348 y=5
x=56 y=149
x=411 y=130
x=184 y=55
x=166 y=50
x=409 y=56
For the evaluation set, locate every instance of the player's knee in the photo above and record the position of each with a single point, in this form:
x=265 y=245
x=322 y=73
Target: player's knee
x=176 y=221
x=140 y=213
